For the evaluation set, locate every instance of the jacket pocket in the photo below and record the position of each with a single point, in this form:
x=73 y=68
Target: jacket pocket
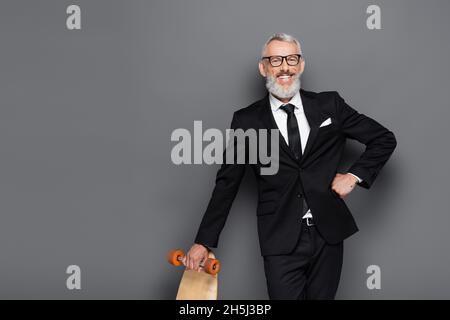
x=341 y=203
x=336 y=196
x=267 y=203
x=328 y=129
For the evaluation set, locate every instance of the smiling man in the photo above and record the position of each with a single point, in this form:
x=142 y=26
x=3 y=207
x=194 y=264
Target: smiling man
x=302 y=217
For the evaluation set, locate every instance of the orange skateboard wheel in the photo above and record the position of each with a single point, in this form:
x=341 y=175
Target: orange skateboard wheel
x=212 y=266
x=174 y=257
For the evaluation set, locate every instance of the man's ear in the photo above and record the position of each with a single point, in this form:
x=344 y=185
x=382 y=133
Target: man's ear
x=261 y=69
x=302 y=66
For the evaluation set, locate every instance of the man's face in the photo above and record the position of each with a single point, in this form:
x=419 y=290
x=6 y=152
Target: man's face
x=282 y=79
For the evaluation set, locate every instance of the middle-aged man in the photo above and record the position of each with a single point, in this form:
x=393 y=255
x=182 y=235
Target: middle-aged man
x=302 y=217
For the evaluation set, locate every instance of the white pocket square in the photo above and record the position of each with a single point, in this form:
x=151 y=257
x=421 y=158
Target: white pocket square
x=325 y=123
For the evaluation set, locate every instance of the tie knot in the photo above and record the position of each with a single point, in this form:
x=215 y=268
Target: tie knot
x=288 y=108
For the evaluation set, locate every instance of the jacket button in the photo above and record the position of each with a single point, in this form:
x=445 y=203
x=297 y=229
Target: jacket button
x=299 y=195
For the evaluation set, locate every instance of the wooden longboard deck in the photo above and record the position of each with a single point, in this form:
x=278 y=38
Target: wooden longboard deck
x=198 y=285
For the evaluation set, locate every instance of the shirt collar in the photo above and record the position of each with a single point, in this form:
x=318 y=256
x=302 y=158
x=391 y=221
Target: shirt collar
x=296 y=100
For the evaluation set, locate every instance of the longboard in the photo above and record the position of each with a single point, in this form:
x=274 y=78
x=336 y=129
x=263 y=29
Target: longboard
x=196 y=285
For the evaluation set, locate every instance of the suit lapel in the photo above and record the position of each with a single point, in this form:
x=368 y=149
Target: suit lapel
x=312 y=114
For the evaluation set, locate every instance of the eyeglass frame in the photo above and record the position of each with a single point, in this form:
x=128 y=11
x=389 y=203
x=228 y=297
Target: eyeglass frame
x=285 y=58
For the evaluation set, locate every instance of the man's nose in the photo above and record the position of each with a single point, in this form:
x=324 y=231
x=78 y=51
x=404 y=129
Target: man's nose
x=284 y=66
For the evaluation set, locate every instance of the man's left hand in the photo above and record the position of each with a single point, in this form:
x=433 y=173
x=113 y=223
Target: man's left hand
x=343 y=184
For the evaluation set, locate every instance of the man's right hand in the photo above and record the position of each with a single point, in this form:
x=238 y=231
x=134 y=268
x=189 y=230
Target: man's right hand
x=196 y=255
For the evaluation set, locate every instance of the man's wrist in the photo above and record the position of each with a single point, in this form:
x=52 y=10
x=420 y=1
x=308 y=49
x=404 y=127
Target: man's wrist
x=205 y=246
x=357 y=179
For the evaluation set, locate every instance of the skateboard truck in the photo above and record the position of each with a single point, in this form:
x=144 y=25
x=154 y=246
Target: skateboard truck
x=175 y=257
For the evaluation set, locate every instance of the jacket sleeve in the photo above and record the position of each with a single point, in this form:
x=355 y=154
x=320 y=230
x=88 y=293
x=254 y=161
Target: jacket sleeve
x=379 y=141
x=228 y=180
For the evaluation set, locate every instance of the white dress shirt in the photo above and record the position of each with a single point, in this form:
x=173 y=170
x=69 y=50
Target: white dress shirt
x=281 y=119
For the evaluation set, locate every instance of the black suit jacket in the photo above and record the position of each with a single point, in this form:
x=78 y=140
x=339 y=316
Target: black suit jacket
x=279 y=196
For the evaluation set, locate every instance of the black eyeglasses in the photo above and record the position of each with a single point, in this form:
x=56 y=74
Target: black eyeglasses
x=291 y=60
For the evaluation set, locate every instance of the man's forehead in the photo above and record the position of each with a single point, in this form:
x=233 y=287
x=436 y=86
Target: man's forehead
x=277 y=47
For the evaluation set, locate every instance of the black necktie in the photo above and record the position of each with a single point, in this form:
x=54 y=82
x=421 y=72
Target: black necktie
x=293 y=132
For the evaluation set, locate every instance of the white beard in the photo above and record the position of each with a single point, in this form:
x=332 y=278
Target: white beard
x=277 y=90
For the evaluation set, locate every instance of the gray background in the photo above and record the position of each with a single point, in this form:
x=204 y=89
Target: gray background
x=86 y=116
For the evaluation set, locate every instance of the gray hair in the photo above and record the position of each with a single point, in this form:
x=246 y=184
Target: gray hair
x=281 y=37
